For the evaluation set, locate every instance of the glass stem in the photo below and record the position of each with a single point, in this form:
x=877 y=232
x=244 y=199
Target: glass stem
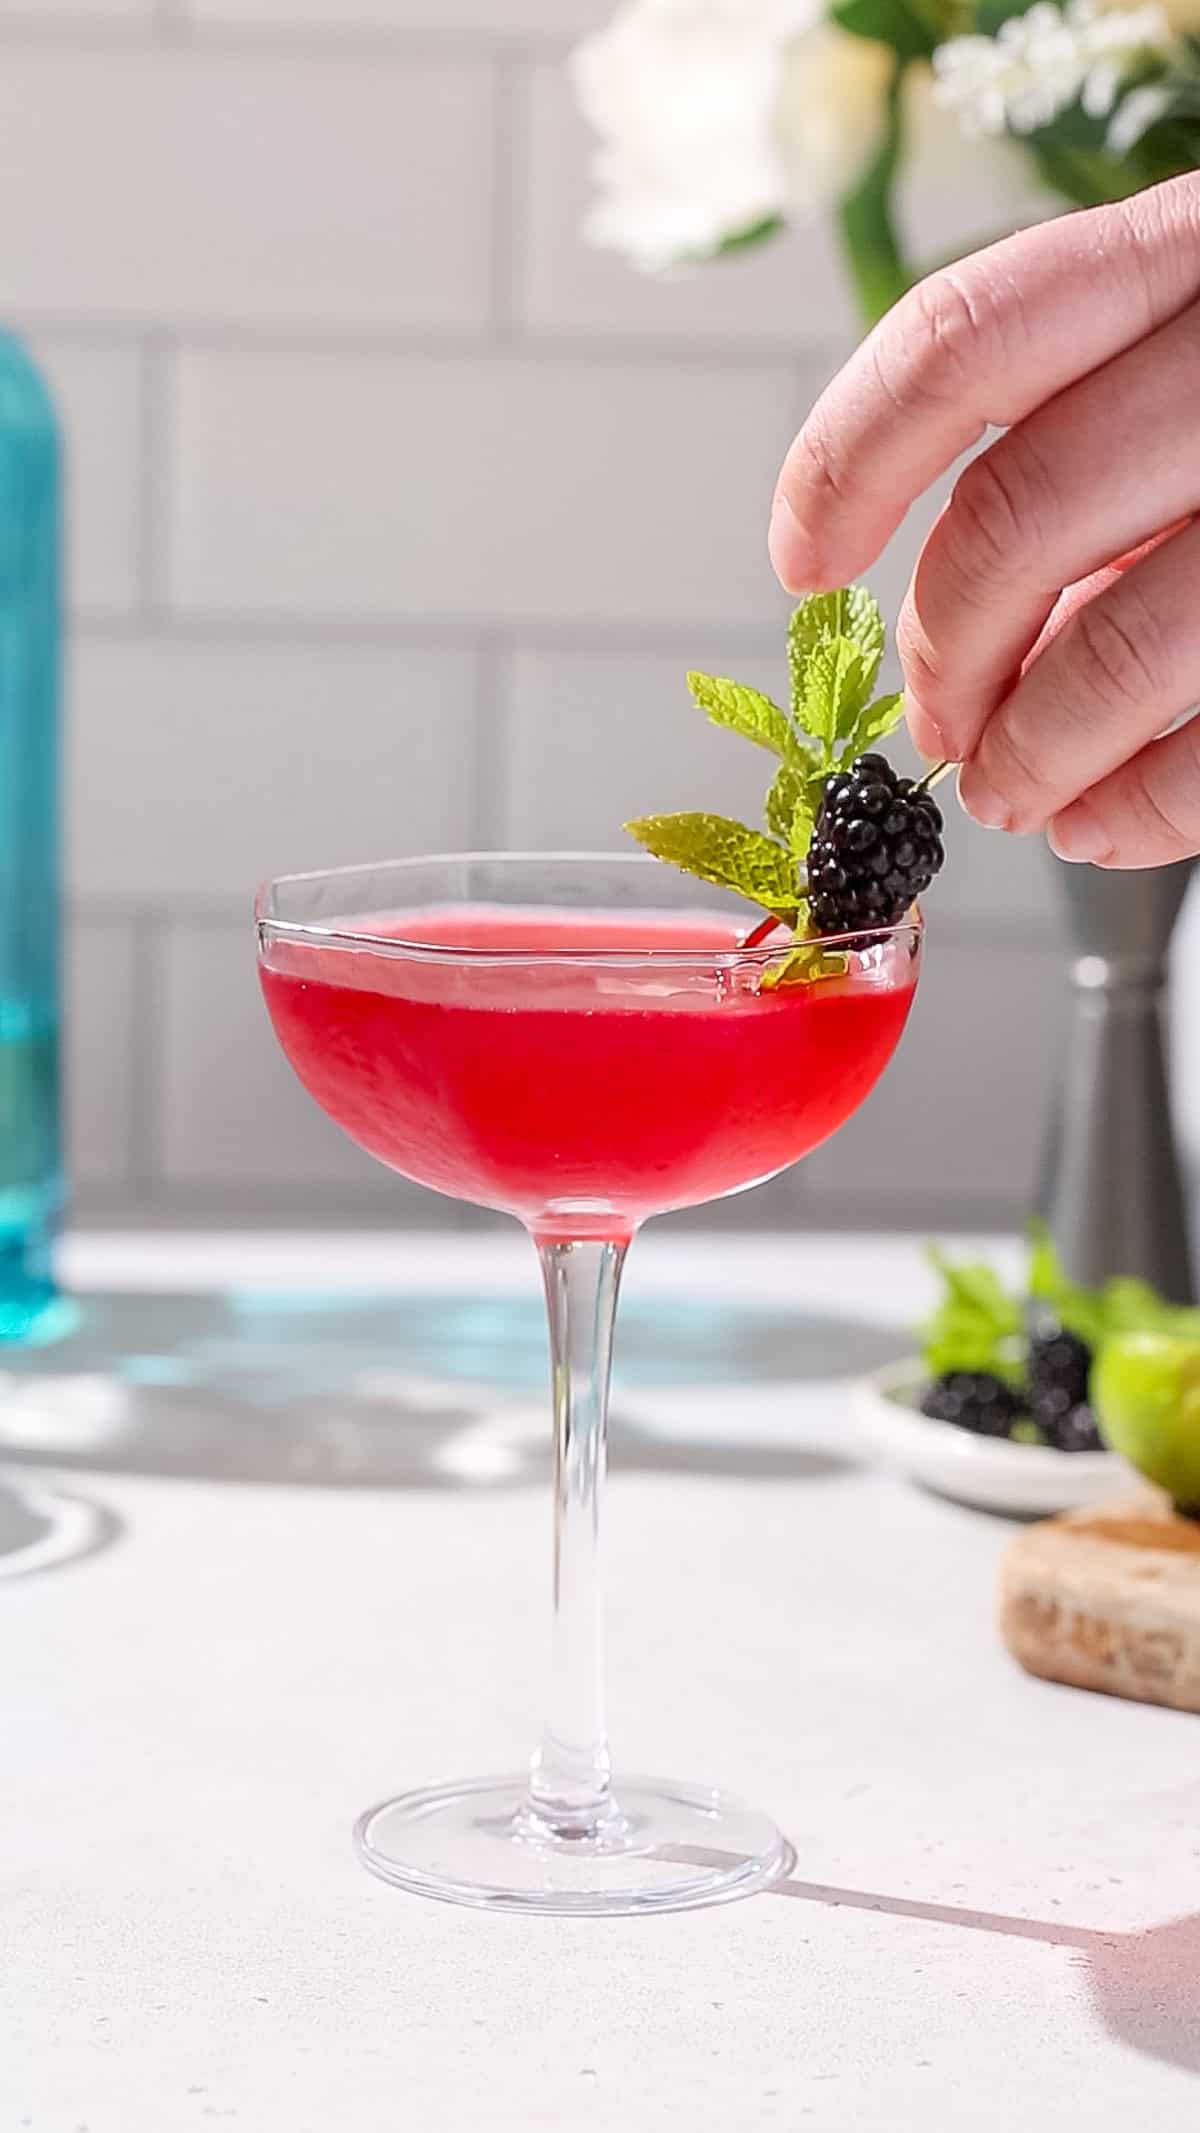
x=570 y=1775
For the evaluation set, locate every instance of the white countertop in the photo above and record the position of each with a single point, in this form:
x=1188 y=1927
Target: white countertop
x=995 y=1918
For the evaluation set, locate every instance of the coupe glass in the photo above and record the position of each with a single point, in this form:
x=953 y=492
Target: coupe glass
x=581 y=1042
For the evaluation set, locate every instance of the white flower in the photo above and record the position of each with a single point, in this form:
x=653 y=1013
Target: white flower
x=1041 y=63
x=717 y=115
x=831 y=113
x=948 y=198
x=1134 y=116
x=1180 y=15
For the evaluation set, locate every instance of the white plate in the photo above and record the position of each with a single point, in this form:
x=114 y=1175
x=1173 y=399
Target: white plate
x=992 y=1473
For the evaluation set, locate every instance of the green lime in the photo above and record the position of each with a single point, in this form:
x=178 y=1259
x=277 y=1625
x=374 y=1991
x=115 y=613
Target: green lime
x=1146 y=1392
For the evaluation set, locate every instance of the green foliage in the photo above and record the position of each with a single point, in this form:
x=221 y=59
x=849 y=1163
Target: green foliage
x=835 y=645
x=979 y=1324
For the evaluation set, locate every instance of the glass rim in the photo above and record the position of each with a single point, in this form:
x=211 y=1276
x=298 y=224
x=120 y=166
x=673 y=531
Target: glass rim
x=322 y=933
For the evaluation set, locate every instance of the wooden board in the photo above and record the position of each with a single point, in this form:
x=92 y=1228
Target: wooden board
x=1109 y=1599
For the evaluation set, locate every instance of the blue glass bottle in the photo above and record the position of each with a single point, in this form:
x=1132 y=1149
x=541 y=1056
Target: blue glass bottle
x=31 y=1180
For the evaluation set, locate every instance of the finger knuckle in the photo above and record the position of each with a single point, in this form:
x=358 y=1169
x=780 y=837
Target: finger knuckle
x=947 y=329
x=815 y=467
x=922 y=670
x=995 y=526
x=1119 y=650
x=1161 y=806
x=1151 y=239
x=1010 y=763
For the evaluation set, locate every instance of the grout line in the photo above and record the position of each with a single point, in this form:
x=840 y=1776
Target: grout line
x=683 y=638
x=507 y=174
x=147 y=1063
x=79 y=33
x=154 y=490
x=492 y=741
x=318 y=340
x=347 y=41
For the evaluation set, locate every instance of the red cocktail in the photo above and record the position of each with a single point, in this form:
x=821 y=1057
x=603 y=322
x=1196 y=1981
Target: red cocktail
x=583 y=1043
x=580 y=1070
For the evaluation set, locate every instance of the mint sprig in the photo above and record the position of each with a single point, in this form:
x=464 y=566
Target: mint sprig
x=980 y=1324
x=746 y=711
x=835 y=646
x=727 y=854
x=977 y=1325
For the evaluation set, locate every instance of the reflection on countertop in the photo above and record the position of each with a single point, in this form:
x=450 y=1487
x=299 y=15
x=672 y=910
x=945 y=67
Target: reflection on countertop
x=430 y=1390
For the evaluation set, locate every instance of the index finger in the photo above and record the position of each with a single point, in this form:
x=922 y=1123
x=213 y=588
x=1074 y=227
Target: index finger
x=977 y=345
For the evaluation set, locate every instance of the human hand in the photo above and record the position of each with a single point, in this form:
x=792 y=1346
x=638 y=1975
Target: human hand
x=1081 y=340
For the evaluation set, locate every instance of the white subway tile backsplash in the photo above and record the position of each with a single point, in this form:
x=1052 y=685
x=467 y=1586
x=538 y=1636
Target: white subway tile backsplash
x=426 y=507
x=198 y=769
x=506 y=489
x=954 y=1128
x=789 y=294
x=97 y=385
x=76 y=14
x=597 y=736
x=199 y=186
x=234 y=1118
x=491 y=18
x=99 y=1000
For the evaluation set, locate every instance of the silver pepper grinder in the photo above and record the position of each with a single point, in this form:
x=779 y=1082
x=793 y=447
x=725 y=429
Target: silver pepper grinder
x=1112 y=1185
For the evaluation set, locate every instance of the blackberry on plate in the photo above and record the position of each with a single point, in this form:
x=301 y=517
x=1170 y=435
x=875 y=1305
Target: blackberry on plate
x=975 y=1400
x=1076 y=1432
x=876 y=846
x=1059 y=1365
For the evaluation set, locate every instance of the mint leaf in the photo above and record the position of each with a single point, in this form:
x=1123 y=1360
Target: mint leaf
x=1078 y=1310
x=1026 y=1431
x=1130 y=1306
x=805 y=964
x=1045 y=1276
x=745 y=711
x=835 y=645
x=802 y=825
x=1123 y=1305
x=977 y=1288
x=787 y=793
x=725 y=853
x=836 y=690
x=852 y=613
x=977 y=1325
x=876 y=722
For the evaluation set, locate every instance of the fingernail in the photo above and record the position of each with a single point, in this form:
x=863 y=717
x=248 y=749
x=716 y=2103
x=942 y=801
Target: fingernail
x=979 y=801
x=793 y=556
x=1077 y=835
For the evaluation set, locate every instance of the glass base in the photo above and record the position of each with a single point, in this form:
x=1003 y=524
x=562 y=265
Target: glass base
x=664 y=1848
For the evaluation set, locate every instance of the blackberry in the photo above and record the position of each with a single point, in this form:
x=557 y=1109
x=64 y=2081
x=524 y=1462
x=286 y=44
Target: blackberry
x=876 y=845
x=975 y=1400
x=1059 y=1366
x=1077 y=1432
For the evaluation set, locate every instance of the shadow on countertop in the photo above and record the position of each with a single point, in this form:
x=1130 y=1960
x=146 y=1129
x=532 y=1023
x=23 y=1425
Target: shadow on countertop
x=1144 y=1985
x=44 y=1527
x=412 y=1391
